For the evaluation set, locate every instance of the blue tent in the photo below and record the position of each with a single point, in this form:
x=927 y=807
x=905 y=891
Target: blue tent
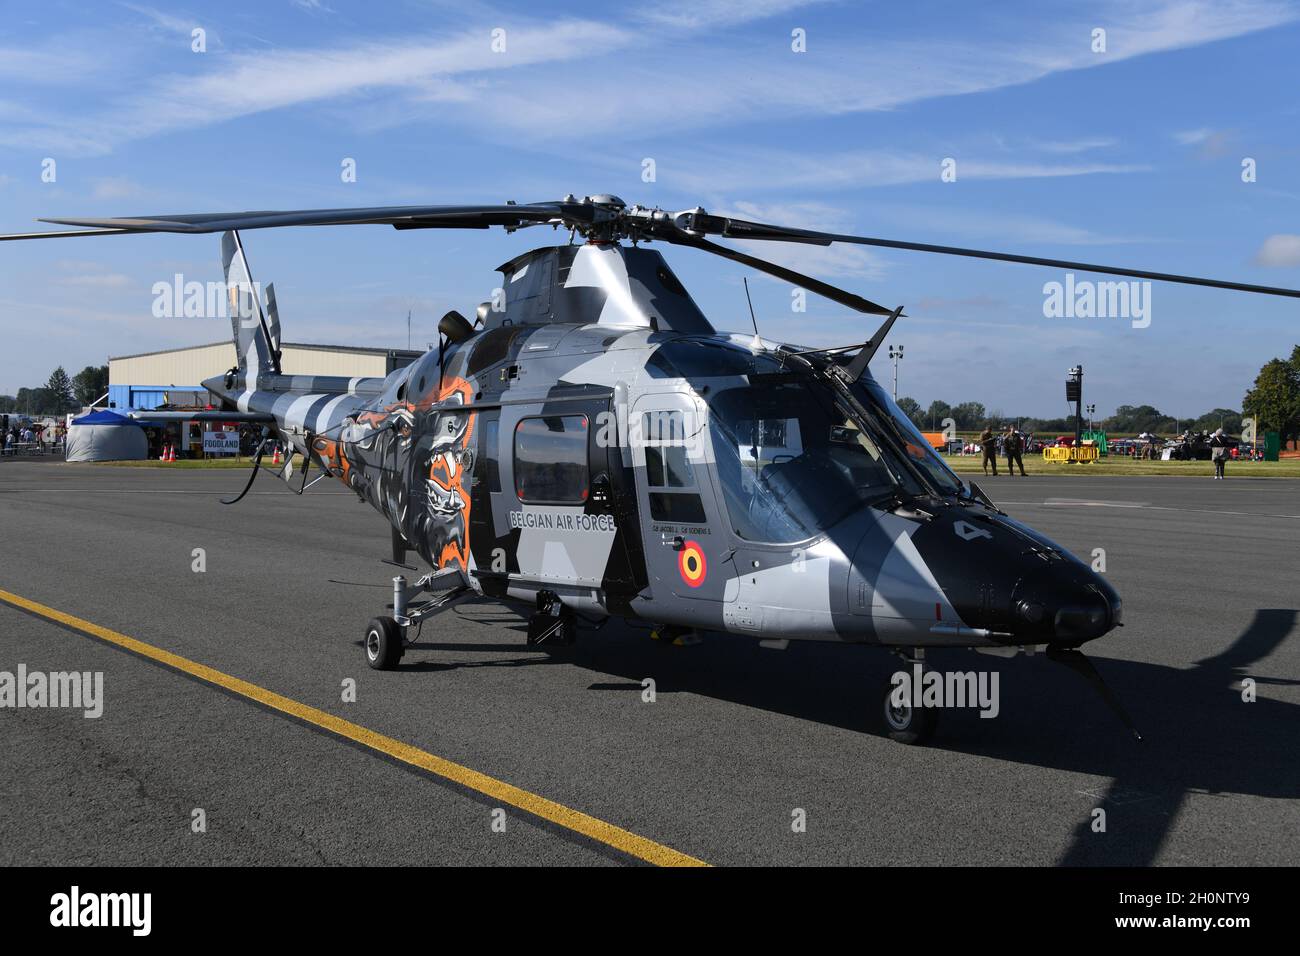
x=103 y=417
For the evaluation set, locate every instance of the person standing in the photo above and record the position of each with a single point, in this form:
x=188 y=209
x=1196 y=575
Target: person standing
x=989 y=443
x=1219 y=443
x=1013 y=446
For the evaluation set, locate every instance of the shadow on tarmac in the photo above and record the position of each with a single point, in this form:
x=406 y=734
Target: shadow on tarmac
x=1201 y=737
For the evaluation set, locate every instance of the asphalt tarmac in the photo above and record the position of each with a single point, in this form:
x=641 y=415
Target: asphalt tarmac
x=739 y=743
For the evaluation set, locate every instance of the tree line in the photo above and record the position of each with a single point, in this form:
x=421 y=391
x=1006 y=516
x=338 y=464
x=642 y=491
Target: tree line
x=60 y=394
x=1273 y=401
x=1128 y=419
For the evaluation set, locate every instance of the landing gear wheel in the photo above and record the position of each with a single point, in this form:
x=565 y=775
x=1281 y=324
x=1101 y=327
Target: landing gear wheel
x=905 y=723
x=384 y=643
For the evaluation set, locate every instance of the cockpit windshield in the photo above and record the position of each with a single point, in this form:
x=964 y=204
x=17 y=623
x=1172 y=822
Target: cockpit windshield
x=919 y=450
x=792 y=461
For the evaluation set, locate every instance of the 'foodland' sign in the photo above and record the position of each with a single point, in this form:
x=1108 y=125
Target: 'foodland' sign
x=221 y=443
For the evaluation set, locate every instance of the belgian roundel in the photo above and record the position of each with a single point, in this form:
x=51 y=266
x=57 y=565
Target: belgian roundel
x=692 y=565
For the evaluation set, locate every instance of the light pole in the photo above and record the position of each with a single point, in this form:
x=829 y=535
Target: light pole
x=1091 y=410
x=896 y=353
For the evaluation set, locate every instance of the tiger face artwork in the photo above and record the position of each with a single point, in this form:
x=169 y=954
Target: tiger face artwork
x=412 y=461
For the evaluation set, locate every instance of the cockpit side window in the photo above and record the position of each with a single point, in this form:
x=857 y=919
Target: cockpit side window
x=670 y=476
x=791 y=461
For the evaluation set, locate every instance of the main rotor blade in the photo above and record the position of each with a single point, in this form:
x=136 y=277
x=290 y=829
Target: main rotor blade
x=823 y=289
x=741 y=229
x=65 y=235
x=605 y=220
x=402 y=217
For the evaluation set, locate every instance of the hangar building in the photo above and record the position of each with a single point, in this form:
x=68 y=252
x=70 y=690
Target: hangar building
x=175 y=376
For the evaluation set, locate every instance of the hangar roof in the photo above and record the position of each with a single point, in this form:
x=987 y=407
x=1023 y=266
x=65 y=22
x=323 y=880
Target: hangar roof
x=353 y=349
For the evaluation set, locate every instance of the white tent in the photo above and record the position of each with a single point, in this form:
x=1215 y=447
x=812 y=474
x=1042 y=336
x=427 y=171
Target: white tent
x=106 y=436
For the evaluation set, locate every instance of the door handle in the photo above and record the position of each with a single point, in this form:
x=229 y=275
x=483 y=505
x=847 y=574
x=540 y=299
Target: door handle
x=600 y=489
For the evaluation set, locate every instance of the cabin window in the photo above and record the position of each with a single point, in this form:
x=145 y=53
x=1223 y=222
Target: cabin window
x=551 y=460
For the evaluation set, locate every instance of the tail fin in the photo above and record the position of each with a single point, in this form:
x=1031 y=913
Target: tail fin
x=247 y=322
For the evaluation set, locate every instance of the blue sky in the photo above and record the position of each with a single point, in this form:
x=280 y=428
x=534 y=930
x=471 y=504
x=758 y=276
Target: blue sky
x=1130 y=156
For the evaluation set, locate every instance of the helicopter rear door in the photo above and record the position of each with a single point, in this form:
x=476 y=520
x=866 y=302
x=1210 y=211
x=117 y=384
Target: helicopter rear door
x=553 y=520
x=683 y=535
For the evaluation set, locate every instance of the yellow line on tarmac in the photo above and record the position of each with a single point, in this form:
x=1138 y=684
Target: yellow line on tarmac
x=588 y=826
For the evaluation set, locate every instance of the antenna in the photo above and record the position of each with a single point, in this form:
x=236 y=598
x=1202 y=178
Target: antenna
x=745 y=279
x=408 y=330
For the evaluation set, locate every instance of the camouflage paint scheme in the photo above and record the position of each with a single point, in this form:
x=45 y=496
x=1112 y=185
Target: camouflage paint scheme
x=607 y=331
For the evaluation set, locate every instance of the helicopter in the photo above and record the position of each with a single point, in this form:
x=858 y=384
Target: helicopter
x=592 y=448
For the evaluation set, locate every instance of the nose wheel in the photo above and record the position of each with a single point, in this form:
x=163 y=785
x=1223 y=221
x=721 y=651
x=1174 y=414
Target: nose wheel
x=906 y=720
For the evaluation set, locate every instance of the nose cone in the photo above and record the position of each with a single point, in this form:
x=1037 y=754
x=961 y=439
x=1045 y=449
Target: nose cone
x=1004 y=577
x=1064 y=602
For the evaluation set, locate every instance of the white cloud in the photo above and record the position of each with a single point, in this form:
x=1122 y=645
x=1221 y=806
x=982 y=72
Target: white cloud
x=801 y=215
x=820 y=262
x=1281 y=250
x=1085 y=145
x=655 y=77
x=682 y=85
x=66 y=63
x=1210 y=142
x=248 y=83
x=755 y=169
x=170 y=23
x=692 y=14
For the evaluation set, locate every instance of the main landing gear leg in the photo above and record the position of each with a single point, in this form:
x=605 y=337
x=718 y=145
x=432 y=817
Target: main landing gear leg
x=385 y=641
x=906 y=720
